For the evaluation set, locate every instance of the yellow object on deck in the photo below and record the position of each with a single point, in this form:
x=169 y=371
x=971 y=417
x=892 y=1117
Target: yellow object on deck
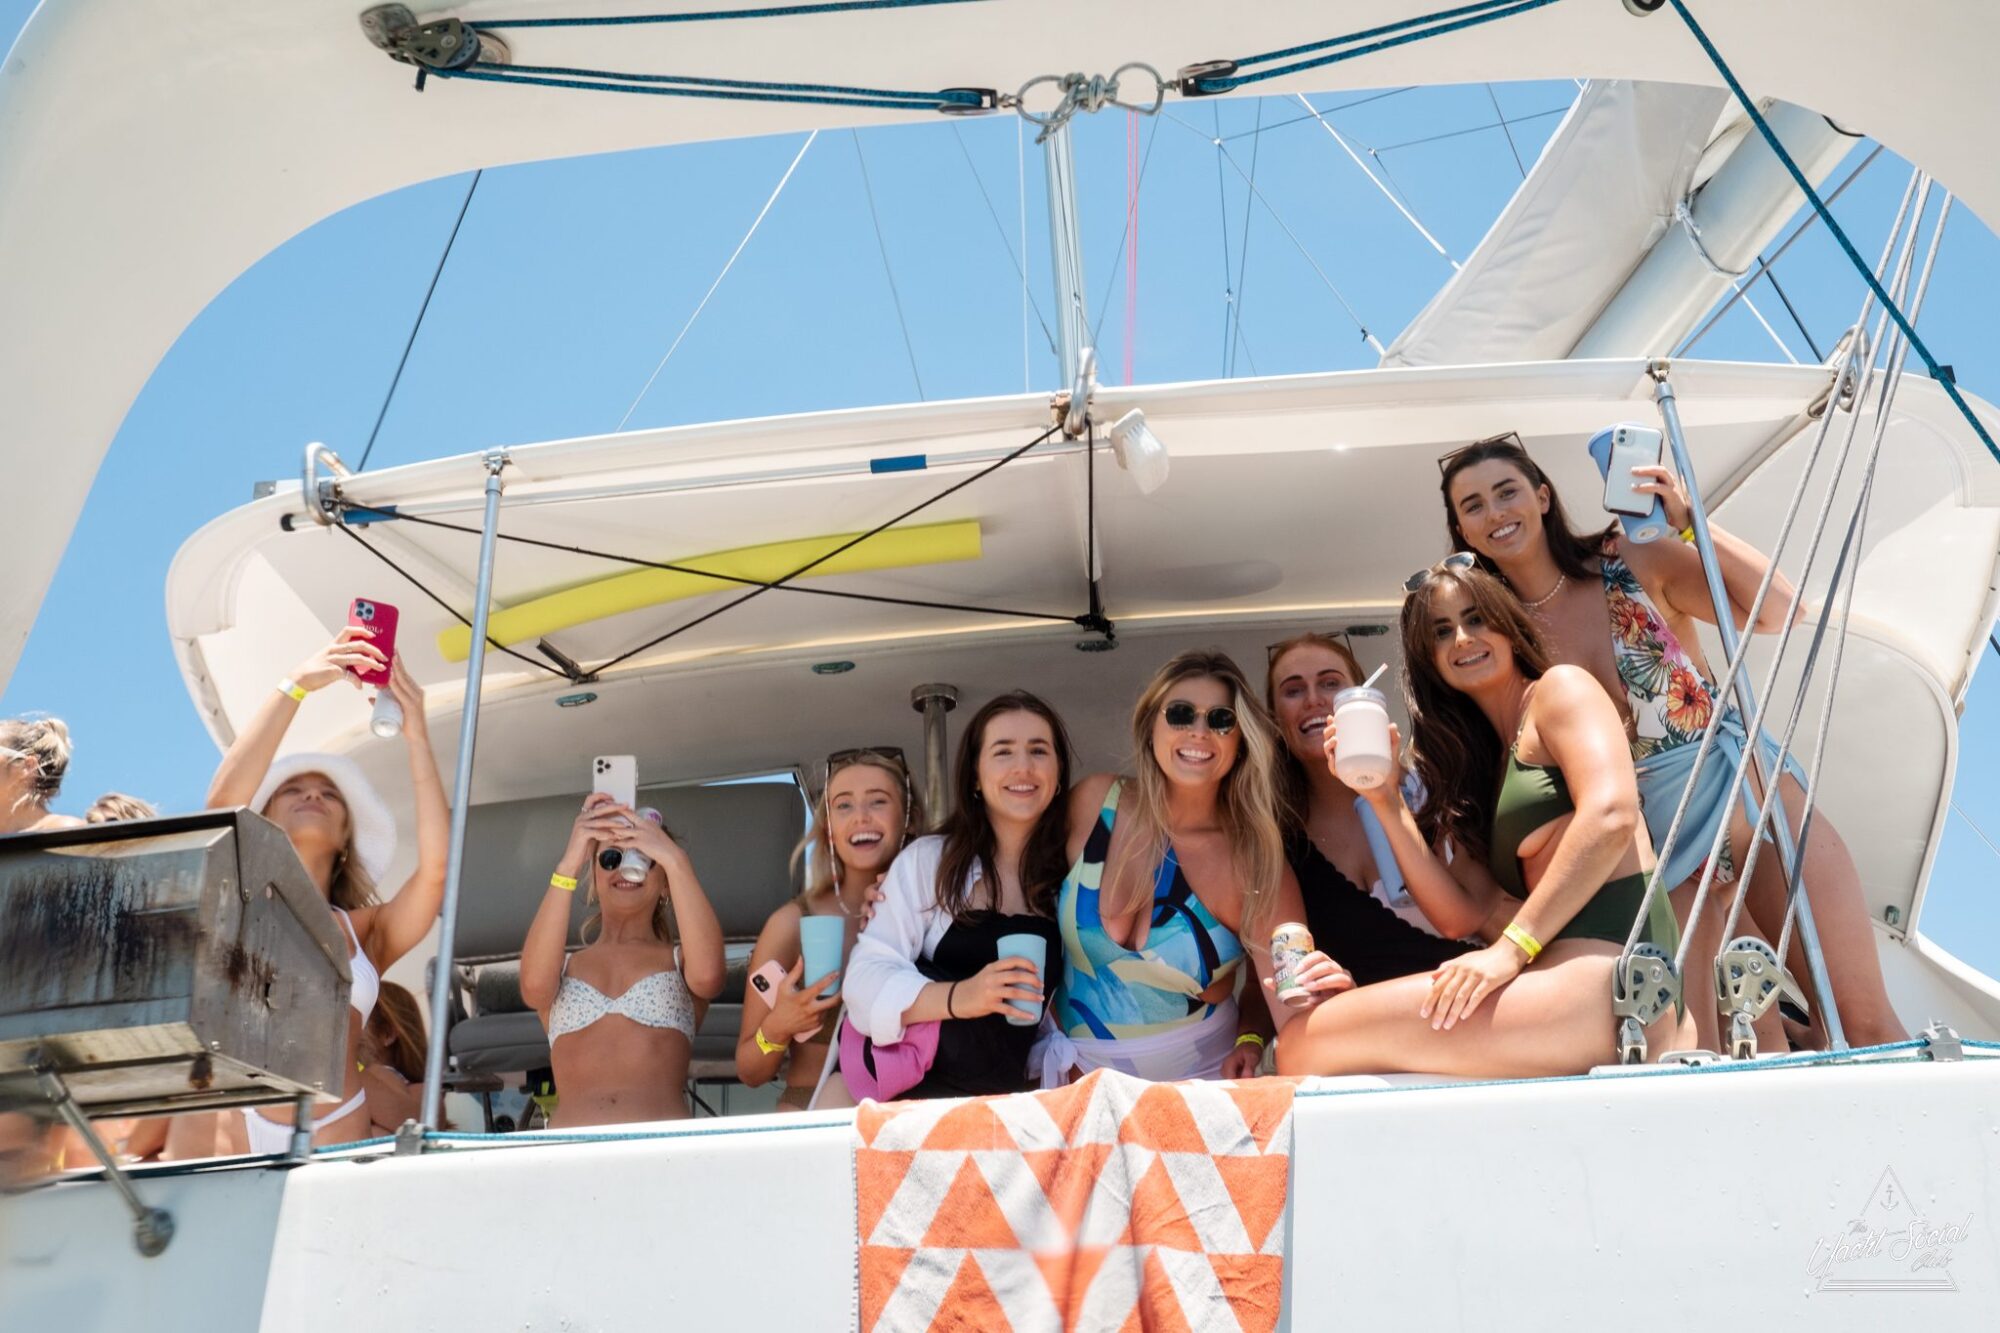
x=931 y=544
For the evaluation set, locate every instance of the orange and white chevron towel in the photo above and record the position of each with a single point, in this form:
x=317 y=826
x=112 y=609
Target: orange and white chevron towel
x=1113 y=1203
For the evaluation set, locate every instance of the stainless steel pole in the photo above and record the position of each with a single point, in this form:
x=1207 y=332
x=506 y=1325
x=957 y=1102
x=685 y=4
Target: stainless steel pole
x=1065 y=250
x=934 y=701
x=461 y=799
x=1746 y=704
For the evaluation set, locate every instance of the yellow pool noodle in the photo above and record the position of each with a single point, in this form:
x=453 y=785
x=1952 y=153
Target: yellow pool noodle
x=930 y=544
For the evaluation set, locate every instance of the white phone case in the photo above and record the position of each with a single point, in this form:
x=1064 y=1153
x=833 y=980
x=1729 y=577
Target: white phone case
x=1631 y=446
x=617 y=775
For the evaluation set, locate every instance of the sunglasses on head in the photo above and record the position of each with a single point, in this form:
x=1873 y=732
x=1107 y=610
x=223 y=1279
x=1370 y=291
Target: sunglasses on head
x=1449 y=459
x=12 y=753
x=869 y=754
x=1456 y=562
x=1181 y=716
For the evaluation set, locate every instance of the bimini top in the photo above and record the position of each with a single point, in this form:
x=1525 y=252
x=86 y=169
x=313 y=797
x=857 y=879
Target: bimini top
x=150 y=153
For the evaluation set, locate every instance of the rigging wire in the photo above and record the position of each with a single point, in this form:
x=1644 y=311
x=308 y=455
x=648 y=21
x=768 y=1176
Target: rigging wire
x=1132 y=170
x=1300 y=120
x=1973 y=825
x=882 y=245
x=713 y=15
x=1895 y=313
x=1125 y=237
x=1471 y=129
x=1243 y=249
x=449 y=609
x=1021 y=195
x=411 y=341
x=1501 y=118
x=734 y=255
x=1007 y=244
x=1408 y=215
x=1222 y=230
x=815 y=563
x=1792 y=310
x=1290 y=235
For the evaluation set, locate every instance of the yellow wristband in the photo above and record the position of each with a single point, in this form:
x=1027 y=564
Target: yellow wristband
x=765 y=1044
x=1257 y=1037
x=1687 y=534
x=1522 y=940
x=563 y=882
x=293 y=688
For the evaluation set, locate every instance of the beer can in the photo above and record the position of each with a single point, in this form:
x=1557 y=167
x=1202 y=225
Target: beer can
x=1290 y=943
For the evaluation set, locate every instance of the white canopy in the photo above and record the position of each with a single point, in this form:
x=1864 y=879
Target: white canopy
x=150 y=153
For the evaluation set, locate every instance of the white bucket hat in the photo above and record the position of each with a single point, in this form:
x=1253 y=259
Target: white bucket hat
x=368 y=814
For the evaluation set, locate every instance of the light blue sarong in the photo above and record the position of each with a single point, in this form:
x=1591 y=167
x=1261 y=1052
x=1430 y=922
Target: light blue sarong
x=1662 y=776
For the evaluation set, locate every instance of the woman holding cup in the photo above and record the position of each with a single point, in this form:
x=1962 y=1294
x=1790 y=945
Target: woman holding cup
x=1545 y=829
x=1333 y=842
x=867 y=810
x=1171 y=871
x=965 y=935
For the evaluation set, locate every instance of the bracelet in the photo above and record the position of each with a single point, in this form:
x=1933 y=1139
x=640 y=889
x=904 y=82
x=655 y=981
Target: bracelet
x=1244 y=1037
x=1687 y=534
x=567 y=883
x=286 y=685
x=765 y=1044
x=1522 y=940
x=948 y=996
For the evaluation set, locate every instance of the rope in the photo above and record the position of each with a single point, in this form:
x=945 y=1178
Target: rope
x=451 y=610
x=1834 y=229
x=1400 y=33
x=713 y=15
x=732 y=90
x=849 y=545
x=734 y=255
x=429 y=292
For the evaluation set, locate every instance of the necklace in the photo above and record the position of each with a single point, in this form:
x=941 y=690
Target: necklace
x=1562 y=580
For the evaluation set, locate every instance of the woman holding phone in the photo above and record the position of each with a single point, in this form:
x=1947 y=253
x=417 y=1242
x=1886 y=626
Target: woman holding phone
x=866 y=811
x=621 y=1012
x=1530 y=788
x=345 y=835
x=1627 y=613
x=956 y=903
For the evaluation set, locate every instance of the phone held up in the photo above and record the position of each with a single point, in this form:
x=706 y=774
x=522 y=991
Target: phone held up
x=380 y=618
x=1617 y=450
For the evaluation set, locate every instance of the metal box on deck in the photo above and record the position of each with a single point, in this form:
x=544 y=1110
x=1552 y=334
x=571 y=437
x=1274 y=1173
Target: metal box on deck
x=169 y=964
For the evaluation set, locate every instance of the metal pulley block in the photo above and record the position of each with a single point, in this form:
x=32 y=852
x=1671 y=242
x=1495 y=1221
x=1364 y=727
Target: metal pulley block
x=1645 y=985
x=444 y=44
x=1749 y=979
x=1742 y=1038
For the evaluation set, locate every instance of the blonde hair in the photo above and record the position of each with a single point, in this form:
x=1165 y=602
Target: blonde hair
x=116 y=807
x=814 y=858
x=1247 y=804
x=352 y=887
x=46 y=741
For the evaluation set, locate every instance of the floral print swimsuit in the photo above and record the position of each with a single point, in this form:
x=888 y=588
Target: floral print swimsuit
x=1669 y=700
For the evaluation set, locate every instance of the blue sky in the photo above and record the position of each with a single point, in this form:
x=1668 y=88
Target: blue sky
x=569 y=280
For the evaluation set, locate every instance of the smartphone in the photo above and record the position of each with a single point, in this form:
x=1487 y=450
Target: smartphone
x=616 y=775
x=1617 y=450
x=380 y=617
x=766 y=980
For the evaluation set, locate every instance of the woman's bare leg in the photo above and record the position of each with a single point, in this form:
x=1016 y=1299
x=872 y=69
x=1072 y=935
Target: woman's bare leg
x=1840 y=911
x=1698 y=979
x=1555 y=1018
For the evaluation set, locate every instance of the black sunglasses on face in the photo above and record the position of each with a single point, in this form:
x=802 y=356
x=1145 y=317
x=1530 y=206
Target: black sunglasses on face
x=1181 y=715
x=1456 y=561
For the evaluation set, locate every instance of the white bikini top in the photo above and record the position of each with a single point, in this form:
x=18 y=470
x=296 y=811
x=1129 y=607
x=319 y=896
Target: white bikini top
x=367 y=981
x=661 y=1000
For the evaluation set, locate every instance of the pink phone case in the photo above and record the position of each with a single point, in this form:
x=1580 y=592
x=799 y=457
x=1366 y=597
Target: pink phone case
x=764 y=982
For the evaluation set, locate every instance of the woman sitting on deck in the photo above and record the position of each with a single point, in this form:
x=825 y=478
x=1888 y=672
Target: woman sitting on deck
x=1167 y=870
x=932 y=952
x=1626 y=613
x=1530 y=785
x=621 y=1013
x=867 y=811
x=1376 y=935
x=345 y=835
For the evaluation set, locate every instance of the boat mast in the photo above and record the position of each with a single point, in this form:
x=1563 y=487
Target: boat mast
x=1065 y=250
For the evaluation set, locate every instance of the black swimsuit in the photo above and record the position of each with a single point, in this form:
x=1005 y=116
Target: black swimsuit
x=980 y=1056
x=1354 y=928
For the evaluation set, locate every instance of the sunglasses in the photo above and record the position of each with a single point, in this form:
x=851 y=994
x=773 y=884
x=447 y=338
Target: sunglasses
x=870 y=754
x=1456 y=562
x=13 y=753
x=1181 y=716
x=1450 y=459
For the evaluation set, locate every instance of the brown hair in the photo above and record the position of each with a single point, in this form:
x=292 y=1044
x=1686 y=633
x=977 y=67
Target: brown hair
x=814 y=859
x=116 y=807
x=1247 y=805
x=1457 y=752
x=352 y=887
x=396 y=1029
x=1574 y=552
x=46 y=741
x=1294 y=792
x=968 y=834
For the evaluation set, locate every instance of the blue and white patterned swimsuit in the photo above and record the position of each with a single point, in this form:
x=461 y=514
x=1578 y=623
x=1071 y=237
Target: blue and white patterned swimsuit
x=661 y=1000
